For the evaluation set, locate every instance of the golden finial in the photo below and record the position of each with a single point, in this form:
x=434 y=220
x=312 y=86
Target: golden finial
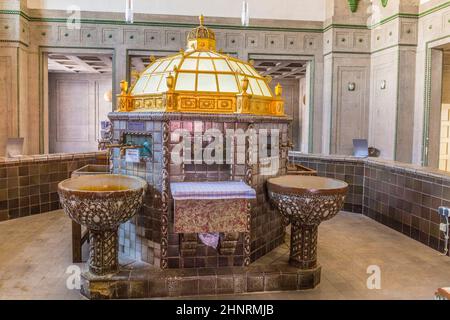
x=169 y=81
x=152 y=59
x=123 y=87
x=251 y=62
x=202 y=19
x=244 y=85
x=278 y=90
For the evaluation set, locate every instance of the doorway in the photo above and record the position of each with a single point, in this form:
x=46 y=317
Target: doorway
x=293 y=77
x=79 y=99
x=444 y=152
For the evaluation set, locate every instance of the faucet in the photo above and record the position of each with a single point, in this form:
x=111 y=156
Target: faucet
x=109 y=147
x=123 y=147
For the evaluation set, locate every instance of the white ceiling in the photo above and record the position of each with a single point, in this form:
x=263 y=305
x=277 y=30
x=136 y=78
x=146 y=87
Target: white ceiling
x=310 y=10
x=79 y=63
x=281 y=69
x=88 y=63
x=277 y=69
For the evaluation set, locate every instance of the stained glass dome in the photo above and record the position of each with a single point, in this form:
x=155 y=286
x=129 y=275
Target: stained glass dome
x=200 y=79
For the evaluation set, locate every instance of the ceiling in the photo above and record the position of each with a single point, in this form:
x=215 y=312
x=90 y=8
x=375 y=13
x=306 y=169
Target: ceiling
x=281 y=69
x=79 y=63
x=277 y=69
x=87 y=63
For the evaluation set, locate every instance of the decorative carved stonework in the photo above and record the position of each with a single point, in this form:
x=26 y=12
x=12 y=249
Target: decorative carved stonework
x=305 y=213
x=305 y=202
x=308 y=209
x=303 y=251
x=103 y=253
x=165 y=193
x=101 y=205
x=249 y=181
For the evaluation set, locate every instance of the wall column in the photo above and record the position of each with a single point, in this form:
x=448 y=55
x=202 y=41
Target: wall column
x=120 y=71
x=346 y=77
x=14 y=76
x=393 y=74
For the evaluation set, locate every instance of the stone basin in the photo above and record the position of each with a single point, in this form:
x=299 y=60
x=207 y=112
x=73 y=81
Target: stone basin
x=307 y=199
x=91 y=169
x=101 y=203
x=304 y=202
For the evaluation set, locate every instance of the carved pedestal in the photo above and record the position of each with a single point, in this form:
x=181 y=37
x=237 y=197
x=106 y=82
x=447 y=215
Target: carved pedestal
x=303 y=253
x=103 y=252
x=306 y=201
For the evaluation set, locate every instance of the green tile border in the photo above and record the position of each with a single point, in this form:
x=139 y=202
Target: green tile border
x=234 y=27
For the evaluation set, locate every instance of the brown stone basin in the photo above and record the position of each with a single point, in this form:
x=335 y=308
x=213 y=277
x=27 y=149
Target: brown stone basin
x=101 y=203
x=304 y=202
x=307 y=199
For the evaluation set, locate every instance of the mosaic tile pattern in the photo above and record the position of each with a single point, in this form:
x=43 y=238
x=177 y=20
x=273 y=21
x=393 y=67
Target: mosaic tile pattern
x=28 y=185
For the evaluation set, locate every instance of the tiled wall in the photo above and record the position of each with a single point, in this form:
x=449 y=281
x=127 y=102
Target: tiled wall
x=402 y=196
x=140 y=238
x=407 y=201
x=350 y=171
x=28 y=185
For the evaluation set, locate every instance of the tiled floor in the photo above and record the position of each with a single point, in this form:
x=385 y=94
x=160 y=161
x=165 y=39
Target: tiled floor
x=35 y=252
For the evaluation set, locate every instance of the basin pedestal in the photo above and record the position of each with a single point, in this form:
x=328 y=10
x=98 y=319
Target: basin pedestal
x=103 y=252
x=304 y=202
x=303 y=249
x=101 y=204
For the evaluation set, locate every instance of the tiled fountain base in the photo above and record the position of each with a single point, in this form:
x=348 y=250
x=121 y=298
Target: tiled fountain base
x=148 y=282
x=140 y=280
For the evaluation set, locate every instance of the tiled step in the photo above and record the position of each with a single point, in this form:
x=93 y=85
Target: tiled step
x=150 y=282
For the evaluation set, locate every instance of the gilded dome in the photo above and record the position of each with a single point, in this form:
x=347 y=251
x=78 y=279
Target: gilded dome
x=201 y=79
x=201 y=71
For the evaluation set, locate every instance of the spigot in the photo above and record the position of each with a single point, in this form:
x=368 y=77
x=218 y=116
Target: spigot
x=111 y=146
